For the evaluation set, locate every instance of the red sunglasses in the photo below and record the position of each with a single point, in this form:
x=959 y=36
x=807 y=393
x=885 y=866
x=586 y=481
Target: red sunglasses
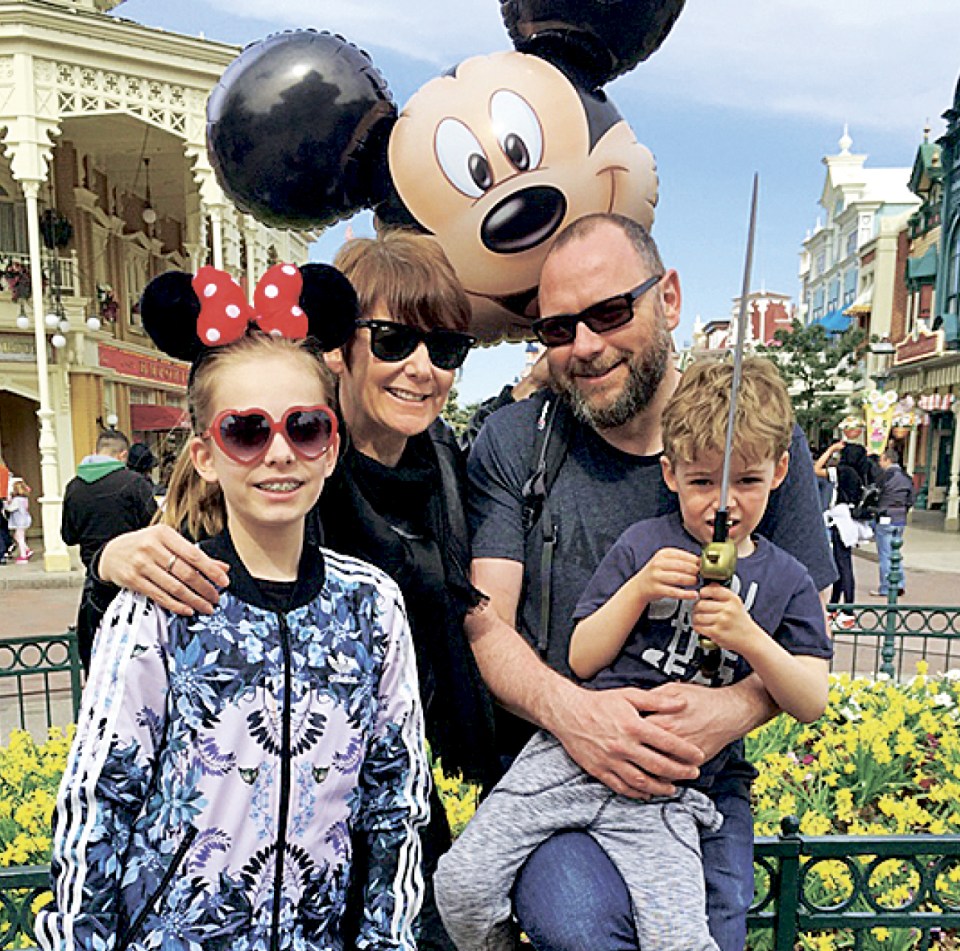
x=246 y=435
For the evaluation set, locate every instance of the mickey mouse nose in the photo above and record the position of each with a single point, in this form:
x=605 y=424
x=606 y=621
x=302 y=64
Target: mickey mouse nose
x=523 y=220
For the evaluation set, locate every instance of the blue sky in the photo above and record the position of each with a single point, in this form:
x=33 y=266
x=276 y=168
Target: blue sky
x=739 y=86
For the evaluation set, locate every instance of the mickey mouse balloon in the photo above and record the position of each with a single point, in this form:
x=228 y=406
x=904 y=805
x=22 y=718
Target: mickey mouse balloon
x=492 y=159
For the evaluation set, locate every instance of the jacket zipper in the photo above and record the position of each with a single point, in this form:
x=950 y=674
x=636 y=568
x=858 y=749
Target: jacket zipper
x=284 y=809
x=148 y=906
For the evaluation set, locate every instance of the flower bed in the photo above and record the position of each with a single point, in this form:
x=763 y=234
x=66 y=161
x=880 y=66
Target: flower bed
x=884 y=760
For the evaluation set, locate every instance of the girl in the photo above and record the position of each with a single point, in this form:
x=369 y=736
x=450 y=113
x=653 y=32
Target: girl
x=18 y=518
x=226 y=766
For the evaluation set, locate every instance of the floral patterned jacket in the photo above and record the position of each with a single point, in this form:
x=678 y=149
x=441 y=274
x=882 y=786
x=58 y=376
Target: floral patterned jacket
x=225 y=767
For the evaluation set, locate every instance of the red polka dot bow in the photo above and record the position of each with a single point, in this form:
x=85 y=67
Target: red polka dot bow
x=225 y=313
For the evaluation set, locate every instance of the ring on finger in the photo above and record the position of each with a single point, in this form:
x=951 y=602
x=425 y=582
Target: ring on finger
x=169 y=568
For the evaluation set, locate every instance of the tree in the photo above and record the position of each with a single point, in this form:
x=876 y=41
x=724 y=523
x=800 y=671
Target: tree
x=456 y=415
x=813 y=362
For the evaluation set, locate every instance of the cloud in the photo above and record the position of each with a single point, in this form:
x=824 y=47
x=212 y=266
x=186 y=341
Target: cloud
x=429 y=30
x=883 y=66
x=879 y=66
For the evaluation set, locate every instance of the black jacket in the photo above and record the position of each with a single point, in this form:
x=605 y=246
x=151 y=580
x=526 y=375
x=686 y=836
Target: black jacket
x=98 y=507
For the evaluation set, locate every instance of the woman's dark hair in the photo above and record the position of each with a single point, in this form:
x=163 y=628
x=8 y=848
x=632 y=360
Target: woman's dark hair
x=409 y=276
x=140 y=458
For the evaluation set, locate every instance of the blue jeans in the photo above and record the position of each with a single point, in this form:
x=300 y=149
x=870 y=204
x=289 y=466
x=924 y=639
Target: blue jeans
x=569 y=896
x=885 y=534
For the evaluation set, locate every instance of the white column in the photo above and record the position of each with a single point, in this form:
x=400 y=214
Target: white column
x=216 y=235
x=952 y=521
x=911 y=460
x=56 y=557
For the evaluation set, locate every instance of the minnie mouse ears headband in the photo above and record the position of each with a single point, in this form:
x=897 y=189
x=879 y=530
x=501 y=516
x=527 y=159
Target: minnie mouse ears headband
x=186 y=315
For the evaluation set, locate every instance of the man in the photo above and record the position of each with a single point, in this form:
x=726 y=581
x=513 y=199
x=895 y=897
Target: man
x=615 y=374
x=103 y=500
x=896 y=499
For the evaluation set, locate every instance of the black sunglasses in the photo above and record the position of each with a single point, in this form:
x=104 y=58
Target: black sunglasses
x=606 y=315
x=393 y=342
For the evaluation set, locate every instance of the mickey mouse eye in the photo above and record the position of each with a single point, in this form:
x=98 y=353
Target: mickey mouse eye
x=518 y=129
x=462 y=158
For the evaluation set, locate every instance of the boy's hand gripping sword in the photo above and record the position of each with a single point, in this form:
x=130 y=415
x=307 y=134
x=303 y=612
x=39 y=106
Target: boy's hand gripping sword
x=718 y=560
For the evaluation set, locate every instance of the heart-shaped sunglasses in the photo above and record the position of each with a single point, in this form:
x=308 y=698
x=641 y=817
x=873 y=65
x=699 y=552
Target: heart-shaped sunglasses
x=245 y=435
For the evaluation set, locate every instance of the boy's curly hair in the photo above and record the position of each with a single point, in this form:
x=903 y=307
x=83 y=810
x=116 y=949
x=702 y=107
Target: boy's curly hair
x=695 y=419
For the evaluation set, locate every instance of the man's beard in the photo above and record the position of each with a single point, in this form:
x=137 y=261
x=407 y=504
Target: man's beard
x=645 y=373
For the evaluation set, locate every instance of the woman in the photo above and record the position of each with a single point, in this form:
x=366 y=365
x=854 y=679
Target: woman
x=395 y=499
x=847 y=477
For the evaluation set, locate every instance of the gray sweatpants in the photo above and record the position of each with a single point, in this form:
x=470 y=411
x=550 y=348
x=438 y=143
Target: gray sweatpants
x=654 y=844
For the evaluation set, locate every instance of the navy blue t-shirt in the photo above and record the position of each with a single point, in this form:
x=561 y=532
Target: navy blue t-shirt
x=775 y=588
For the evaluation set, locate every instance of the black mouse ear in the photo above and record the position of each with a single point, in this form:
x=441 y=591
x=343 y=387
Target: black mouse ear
x=330 y=303
x=169 y=309
x=297 y=130
x=592 y=40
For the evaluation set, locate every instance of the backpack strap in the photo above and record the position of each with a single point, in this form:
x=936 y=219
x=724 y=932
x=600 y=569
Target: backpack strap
x=550 y=449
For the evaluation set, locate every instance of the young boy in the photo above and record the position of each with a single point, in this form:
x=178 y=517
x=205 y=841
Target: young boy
x=638 y=623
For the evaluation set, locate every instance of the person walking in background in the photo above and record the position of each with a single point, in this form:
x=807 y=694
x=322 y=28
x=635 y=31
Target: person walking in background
x=846 y=476
x=17 y=508
x=103 y=500
x=896 y=499
x=141 y=460
x=6 y=539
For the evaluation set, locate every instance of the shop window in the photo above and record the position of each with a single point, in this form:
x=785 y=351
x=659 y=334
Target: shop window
x=952 y=297
x=13 y=225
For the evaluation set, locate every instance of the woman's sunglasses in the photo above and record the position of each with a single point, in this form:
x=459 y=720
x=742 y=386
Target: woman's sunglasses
x=607 y=315
x=393 y=342
x=245 y=435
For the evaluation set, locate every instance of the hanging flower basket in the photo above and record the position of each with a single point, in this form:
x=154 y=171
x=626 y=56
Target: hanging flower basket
x=16 y=279
x=107 y=303
x=55 y=229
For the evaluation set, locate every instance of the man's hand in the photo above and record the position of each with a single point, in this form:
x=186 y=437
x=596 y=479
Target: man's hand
x=712 y=717
x=607 y=734
x=160 y=563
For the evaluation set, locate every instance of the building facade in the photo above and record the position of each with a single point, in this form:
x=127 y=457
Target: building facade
x=104 y=183
x=926 y=362
x=848 y=264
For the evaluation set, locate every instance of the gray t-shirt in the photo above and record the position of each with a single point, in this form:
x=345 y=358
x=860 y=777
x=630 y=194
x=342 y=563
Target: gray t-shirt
x=598 y=493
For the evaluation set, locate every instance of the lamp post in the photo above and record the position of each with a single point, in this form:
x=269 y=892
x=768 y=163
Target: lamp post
x=881 y=353
x=55 y=555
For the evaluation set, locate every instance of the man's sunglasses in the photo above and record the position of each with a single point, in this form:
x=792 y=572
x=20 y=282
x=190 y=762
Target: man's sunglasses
x=607 y=315
x=393 y=342
x=245 y=435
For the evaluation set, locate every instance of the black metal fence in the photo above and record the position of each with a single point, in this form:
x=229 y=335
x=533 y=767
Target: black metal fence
x=40 y=684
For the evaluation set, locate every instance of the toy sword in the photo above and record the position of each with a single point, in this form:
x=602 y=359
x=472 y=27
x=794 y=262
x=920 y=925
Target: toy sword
x=718 y=560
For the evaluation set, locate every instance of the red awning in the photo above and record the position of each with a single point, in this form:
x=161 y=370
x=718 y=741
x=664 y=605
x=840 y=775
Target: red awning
x=148 y=417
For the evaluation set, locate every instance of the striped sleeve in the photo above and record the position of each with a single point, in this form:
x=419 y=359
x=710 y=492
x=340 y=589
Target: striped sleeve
x=395 y=787
x=106 y=777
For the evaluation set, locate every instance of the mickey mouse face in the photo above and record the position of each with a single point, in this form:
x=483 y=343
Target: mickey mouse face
x=495 y=159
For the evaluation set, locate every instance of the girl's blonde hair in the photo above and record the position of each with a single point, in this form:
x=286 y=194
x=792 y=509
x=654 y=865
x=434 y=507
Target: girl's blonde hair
x=695 y=419
x=194 y=505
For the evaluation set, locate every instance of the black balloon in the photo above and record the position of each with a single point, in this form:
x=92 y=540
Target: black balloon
x=297 y=129
x=598 y=39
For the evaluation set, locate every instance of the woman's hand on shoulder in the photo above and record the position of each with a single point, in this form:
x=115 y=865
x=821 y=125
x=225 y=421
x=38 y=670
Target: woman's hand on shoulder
x=159 y=562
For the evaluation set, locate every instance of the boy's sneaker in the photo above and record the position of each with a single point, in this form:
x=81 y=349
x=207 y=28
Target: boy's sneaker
x=844 y=621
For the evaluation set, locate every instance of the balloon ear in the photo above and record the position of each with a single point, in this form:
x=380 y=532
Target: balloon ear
x=330 y=303
x=592 y=40
x=169 y=309
x=297 y=130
